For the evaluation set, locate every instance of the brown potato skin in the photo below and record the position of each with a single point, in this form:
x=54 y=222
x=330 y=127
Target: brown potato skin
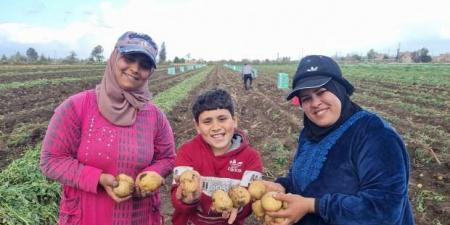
x=189 y=181
x=269 y=203
x=239 y=196
x=150 y=181
x=257 y=189
x=221 y=202
x=125 y=187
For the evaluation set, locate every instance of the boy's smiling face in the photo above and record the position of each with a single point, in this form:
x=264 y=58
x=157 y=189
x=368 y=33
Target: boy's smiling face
x=217 y=129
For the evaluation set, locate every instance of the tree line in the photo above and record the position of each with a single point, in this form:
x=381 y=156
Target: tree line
x=33 y=57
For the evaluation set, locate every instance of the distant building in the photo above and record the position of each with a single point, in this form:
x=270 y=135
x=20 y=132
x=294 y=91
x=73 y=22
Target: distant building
x=406 y=57
x=442 y=58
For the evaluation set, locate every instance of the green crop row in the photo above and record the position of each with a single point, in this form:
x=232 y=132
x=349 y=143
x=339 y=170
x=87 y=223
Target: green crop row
x=31 y=83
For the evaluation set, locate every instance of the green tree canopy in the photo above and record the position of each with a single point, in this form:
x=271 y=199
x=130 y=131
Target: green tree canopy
x=32 y=55
x=97 y=54
x=162 y=53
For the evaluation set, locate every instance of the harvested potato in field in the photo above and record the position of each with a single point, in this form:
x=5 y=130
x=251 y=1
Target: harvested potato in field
x=150 y=181
x=125 y=187
x=189 y=181
x=221 y=202
x=269 y=203
x=239 y=196
x=257 y=189
x=258 y=209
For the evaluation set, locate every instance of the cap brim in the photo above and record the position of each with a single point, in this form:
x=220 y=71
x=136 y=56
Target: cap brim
x=307 y=83
x=136 y=49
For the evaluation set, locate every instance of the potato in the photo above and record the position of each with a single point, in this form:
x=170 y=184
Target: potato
x=150 y=181
x=258 y=209
x=125 y=187
x=239 y=196
x=257 y=189
x=268 y=219
x=221 y=202
x=269 y=203
x=189 y=181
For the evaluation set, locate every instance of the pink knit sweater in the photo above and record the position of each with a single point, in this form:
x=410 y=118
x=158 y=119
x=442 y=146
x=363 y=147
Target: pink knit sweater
x=80 y=145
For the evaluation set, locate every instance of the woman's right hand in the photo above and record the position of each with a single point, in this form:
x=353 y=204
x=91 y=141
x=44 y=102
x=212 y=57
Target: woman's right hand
x=109 y=182
x=272 y=186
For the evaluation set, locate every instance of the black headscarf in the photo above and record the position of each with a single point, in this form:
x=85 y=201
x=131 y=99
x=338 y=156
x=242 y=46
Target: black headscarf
x=316 y=133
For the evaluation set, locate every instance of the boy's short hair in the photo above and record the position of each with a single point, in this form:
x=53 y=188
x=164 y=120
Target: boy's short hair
x=213 y=99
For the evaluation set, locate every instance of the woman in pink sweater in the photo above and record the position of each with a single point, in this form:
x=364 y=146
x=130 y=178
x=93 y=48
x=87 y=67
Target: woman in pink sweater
x=97 y=134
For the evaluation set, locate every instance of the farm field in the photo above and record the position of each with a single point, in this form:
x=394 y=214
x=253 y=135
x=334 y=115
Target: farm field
x=413 y=98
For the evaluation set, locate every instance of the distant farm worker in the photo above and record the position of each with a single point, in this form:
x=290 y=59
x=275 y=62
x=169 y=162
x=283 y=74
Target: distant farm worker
x=113 y=129
x=247 y=75
x=351 y=166
x=222 y=157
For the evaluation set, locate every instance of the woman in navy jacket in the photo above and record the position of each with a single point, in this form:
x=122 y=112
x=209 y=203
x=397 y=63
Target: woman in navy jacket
x=351 y=167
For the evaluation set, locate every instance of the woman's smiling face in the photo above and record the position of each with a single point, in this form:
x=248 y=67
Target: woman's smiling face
x=321 y=106
x=133 y=71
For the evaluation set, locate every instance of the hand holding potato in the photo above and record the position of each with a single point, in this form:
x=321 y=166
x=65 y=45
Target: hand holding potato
x=189 y=189
x=296 y=208
x=108 y=182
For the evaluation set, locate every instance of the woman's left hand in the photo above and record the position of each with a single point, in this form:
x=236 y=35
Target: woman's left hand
x=298 y=207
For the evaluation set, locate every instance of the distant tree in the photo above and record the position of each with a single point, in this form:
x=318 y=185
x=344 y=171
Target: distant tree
x=97 y=54
x=4 y=59
x=371 y=54
x=385 y=57
x=71 y=58
x=18 y=58
x=397 y=56
x=162 y=53
x=178 y=60
x=285 y=59
x=32 y=55
x=421 y=55
x=355 y=57
x=44 y=60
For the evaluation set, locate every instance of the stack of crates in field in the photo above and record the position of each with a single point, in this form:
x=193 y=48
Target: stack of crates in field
x=171 y=71
x=283 y=81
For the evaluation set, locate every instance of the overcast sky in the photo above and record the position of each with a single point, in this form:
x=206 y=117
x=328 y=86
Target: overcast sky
x=227 y=29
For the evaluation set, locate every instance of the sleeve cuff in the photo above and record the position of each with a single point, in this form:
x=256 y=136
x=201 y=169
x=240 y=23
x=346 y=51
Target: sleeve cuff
x=89 y=179
x=316 y=206
x=284 y=182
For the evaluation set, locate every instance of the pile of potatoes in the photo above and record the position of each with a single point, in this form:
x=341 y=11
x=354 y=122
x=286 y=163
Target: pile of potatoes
x=149 y=182
x=236 y=197
x=264 y=202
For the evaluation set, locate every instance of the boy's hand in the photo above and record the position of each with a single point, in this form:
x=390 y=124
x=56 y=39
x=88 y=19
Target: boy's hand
x=187 y=196
x=230 y=215
x=108 y=182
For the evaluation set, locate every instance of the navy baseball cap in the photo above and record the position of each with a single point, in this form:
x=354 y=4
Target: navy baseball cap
x=133 y=42
x=314 y=71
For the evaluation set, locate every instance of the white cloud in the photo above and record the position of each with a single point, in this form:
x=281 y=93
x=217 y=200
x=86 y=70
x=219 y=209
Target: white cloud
x=236 y=29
